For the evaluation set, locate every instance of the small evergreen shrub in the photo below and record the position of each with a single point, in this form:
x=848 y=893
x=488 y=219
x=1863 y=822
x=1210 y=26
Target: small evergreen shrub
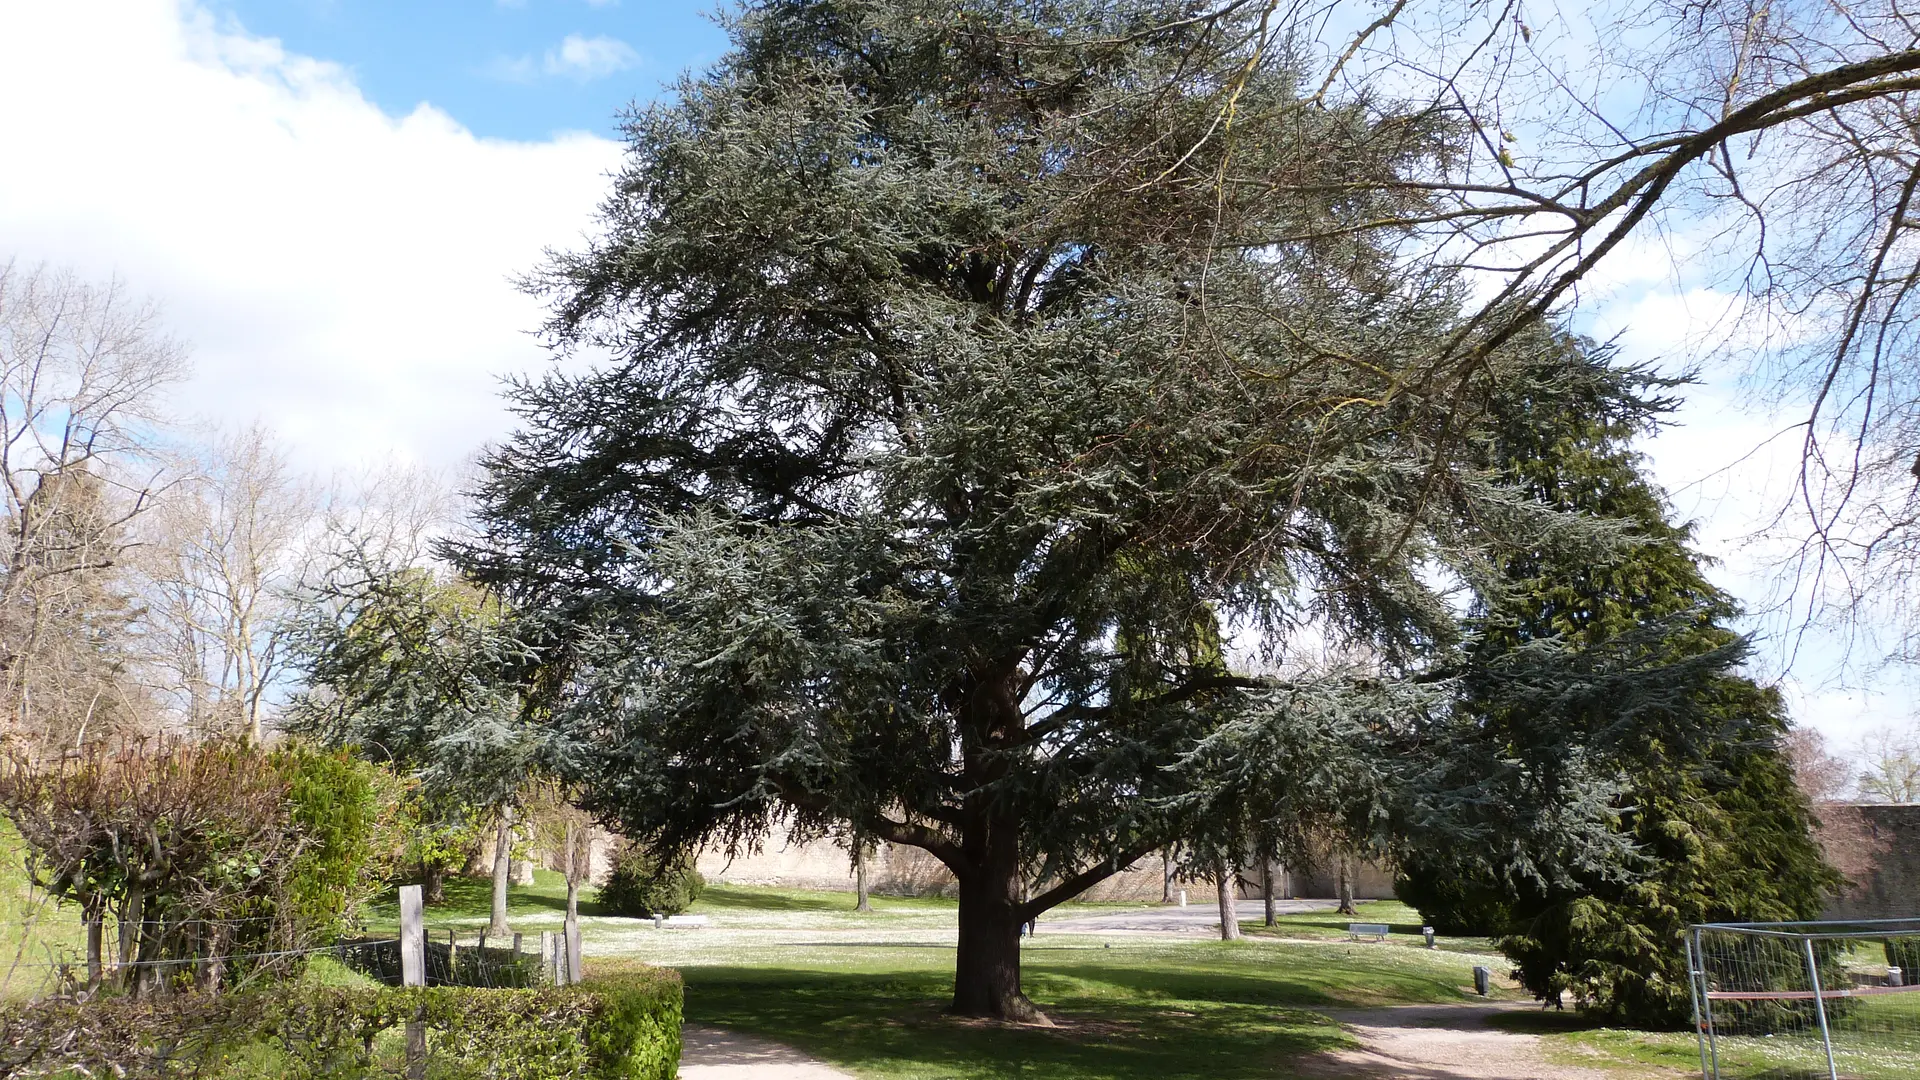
x=640 y=885
x=1904 y=953
x=625 y=1027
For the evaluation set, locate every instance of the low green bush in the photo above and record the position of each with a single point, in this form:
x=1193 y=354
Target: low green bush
x=1904 y=953
x=639 y=884
x=625 y=1027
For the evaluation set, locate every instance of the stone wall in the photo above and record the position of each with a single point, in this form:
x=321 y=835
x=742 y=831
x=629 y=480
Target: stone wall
x=1877 y=847
x=600 y=845
x=1370 y=882
x=897 y=870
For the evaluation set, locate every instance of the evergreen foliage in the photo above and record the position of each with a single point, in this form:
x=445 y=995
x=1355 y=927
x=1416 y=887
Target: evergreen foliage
x=641 y=884
x=946 y=343
x=427 y=676
x=1710 y=822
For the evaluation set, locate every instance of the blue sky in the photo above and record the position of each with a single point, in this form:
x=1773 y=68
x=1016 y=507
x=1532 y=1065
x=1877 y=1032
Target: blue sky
x=331 y=201
x=515 y=70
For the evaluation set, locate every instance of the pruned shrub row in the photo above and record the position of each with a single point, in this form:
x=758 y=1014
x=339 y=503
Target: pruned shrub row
x=625 y=1027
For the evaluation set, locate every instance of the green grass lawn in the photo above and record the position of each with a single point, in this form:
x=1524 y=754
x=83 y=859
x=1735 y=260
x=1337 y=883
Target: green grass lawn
x=1404 y=923
x=469 y=903
x=1859 y=1054
x=34 y=930
x=1125 y=1009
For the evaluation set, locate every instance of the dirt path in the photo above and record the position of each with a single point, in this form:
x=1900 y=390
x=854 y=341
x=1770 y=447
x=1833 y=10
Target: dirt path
x=1438 y=1042
x=712 y=1054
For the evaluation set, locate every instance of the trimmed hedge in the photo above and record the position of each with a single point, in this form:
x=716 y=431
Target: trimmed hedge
x=625 y=1027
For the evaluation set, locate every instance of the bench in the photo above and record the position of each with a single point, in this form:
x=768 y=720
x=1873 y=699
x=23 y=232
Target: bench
x=1376 y=931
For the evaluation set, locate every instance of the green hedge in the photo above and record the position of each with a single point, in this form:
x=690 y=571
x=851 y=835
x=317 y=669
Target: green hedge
x=625 y=1027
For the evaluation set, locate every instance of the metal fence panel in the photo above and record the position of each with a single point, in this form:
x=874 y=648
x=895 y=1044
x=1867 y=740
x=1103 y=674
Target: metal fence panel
x=1806 y=1001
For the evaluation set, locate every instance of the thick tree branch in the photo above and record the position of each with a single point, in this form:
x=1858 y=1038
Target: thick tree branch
x=1082 y=881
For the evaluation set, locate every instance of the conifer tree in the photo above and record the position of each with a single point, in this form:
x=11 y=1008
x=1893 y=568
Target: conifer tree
x=940 y=344
x=1711 y=825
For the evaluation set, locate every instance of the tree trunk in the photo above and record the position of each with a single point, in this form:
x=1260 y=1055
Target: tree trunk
x=860 y=878
x=502 y=866
x=1224 y=882
x=986 y=977
x=1266 y=889
x=132 y=935
x=1346 y=886
x=1166 y=876
x=573 y=873
x=94 y=911
x=433 y=882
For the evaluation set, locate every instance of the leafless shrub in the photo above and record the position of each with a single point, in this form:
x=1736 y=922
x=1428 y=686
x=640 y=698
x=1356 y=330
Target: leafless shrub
x=186 y=849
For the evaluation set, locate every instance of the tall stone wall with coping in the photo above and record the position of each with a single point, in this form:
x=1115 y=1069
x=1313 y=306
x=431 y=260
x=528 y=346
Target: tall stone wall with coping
x=898 y=870
x=1877 y=847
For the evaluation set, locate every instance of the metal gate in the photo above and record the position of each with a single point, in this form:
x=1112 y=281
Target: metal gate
x=1800 y=1001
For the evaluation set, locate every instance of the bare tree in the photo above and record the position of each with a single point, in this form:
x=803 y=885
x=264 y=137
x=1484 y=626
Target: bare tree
x=1770 y=147
x=82 y=371
x=1845 y=834
x=1890 y=761
x=563 y=832
x=1824 y=777
x=226 y=555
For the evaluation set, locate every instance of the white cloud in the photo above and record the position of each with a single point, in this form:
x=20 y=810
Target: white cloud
x=584 y=59
x=342 y=273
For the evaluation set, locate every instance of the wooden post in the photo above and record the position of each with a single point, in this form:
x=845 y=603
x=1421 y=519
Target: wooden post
x=516 y=945
x=413 y=938
x=413 y=972
x=546 y=955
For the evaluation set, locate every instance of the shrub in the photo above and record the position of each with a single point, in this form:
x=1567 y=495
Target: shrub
x=347 y=812
x=203 y=851
x=638 y=1036
x=1450 y=901
x=621 y=1028
x=1904 y=953
x=639 y=884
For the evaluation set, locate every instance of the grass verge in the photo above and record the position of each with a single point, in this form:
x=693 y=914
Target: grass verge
x=1128 y=1010
x=1873 y=1052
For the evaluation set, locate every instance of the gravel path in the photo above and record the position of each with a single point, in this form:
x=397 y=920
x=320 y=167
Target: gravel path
x=712 y=1054
x=1438 y=1042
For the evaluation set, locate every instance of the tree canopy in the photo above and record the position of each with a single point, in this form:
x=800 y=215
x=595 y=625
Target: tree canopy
x=948 y=380
x=1709 y=823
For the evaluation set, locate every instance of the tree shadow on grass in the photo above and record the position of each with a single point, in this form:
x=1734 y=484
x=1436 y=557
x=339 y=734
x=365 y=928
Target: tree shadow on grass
x=1127 y=1024
x=722 y=898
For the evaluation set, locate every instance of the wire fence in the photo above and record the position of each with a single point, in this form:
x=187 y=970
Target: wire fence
x=36 y=967
x=1800 y=1001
